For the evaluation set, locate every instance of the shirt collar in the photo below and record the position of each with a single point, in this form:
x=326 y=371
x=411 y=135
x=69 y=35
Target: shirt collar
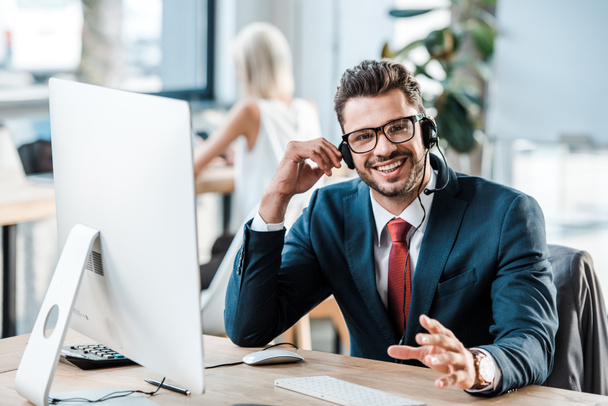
x=413 y=214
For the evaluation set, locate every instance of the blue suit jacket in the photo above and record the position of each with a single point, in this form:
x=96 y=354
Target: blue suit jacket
x=482 y=272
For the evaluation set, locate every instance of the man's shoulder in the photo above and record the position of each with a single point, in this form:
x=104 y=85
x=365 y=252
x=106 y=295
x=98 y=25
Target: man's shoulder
x=333 y=198
x=479 y=186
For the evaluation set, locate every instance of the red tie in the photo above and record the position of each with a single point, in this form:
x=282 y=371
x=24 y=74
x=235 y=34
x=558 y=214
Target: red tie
x=399 y=276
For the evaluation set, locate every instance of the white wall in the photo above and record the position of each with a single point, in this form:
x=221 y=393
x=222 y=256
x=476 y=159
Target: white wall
x=550 y=70
x=326 y=37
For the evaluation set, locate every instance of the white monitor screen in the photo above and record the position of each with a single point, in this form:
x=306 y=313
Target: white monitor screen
x=123 y=166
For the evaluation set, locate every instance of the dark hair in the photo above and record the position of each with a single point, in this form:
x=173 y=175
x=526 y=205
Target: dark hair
x=372 y=78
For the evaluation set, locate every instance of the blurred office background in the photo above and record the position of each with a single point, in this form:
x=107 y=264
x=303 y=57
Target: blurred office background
x=543 y=125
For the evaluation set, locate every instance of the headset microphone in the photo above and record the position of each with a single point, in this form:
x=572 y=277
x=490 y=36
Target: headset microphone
x=430 y=139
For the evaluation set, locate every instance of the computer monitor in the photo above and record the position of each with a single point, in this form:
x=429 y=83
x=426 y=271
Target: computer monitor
x=126 y=220
x=32 y=139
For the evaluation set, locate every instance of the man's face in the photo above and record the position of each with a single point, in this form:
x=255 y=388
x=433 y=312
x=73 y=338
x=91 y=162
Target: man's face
x=393 y=171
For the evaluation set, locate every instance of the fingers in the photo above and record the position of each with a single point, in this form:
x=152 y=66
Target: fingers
x=441 y=340
x=444 y=361
x=457 y=367
x=293 y=166
x=458 y=378
x=405 y=352
x=294 y=175
x=320 y=151
x=441 y=351
x=434 y=327
x=439 y=336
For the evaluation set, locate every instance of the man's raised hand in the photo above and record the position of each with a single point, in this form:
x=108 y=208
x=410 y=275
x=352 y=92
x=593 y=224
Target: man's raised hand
x=295 y=175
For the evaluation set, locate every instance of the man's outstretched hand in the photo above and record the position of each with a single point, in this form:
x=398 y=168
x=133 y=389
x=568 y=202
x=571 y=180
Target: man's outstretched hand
x=441 y=351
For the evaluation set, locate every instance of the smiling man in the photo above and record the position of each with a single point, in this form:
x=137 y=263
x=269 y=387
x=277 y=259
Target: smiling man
x=428 y=265
x=394 y=171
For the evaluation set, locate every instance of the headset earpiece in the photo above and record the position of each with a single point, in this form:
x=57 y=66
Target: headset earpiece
x=429 y=132
x=346 y=155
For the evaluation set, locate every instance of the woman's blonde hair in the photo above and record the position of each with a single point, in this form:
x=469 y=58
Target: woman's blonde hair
x=263 y=59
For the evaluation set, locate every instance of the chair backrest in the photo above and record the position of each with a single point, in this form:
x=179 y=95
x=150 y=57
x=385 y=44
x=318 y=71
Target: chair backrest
x=213 y=298
x=581 y=342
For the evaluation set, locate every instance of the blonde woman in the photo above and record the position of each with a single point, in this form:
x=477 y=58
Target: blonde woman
x=265 y=120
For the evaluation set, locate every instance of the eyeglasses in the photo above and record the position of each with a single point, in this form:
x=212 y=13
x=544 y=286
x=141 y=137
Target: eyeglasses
x=396 y=131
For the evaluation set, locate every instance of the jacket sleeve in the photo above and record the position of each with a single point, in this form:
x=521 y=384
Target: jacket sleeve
x=265 y=297
x=523 y=299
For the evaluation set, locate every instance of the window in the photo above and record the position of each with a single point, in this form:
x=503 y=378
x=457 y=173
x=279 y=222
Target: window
x=154 y=46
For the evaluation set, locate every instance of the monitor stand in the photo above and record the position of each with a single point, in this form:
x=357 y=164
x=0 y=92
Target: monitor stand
x=39 y=361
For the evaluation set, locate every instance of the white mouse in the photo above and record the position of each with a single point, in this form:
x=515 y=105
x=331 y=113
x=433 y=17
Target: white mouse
x=266 y=357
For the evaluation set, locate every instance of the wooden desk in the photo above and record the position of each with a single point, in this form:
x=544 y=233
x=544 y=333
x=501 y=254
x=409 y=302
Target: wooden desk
x=248 y=384
x=22 y=201
x=216 y=179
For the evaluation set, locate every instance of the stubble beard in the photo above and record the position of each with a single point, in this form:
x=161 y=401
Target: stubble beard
x=409 y=188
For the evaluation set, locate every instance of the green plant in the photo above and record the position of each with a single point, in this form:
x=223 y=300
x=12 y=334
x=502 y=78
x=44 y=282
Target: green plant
x=462 y=50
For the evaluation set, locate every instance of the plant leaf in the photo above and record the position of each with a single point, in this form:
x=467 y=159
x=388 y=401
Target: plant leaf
x=442 y=44
x=408 y=13
x=386 y=51
x=406 y=49
x=483 y=16
x=455 y=125
x=483 y=38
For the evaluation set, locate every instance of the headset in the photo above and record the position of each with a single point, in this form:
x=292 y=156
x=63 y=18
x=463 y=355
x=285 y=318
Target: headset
x=428 y=128
x=429 y=138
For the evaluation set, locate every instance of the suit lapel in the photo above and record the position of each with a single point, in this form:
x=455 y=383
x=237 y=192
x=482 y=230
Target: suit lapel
x=439 y=238
x=358 y=246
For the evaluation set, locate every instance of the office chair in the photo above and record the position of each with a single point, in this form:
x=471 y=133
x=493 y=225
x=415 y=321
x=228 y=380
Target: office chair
x=213 y=298
x=581 y=342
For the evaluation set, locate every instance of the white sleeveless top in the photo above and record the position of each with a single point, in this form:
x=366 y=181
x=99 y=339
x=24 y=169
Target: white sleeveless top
x=253 y=170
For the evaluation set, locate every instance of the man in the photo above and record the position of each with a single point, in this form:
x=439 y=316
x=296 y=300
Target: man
x=473 y=268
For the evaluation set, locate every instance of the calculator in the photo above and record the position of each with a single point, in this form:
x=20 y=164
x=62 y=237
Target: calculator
x=93 y=356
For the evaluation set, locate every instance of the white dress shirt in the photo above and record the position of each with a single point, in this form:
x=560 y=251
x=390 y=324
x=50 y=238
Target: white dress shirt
x=415 y=215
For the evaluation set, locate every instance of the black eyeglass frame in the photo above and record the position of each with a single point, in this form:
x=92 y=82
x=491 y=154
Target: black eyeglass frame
x=414 y=119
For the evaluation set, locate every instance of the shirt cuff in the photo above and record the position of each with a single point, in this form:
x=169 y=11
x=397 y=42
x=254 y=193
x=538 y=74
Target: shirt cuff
x=497 y=375
x=260 y=225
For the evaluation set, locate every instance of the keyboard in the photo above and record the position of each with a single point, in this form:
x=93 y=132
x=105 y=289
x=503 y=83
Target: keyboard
x=93 y=356
x=343 y=392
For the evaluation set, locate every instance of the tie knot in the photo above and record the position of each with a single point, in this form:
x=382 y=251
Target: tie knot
x=398 y=229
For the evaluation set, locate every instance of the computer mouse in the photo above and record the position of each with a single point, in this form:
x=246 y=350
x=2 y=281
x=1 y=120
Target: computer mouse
x=266 y=357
